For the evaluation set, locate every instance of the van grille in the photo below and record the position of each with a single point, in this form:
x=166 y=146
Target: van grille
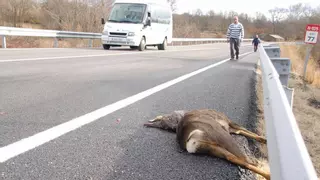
x=118 y=34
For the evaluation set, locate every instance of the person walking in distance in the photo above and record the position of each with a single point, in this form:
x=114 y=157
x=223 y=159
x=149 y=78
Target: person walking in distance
x=235 y=35
x=255 y=43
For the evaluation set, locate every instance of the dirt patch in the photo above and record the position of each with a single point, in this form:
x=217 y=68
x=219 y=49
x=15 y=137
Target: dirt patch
x=307 y=113
x=314 y=102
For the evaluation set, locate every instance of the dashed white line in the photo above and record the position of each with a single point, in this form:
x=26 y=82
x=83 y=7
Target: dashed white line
x=26 y=144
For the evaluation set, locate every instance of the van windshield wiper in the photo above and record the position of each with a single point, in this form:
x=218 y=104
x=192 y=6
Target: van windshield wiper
x=127 y=21
x=110 y=20
x=123 y=21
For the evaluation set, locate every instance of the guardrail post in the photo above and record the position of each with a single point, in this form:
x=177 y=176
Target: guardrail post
x=289 y=93
x=272 y=51
x=90 y=42
x=56 y=43
x=4 y=43
x=283 y=68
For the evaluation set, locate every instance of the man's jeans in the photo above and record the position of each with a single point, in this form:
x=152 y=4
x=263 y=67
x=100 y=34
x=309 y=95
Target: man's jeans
x=234 y=43
x=255 y=47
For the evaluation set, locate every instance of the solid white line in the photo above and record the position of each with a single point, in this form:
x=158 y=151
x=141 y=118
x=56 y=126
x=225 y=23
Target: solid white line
x=38 y=139
x=96 y=48
x=105 y=54
x=100 y=55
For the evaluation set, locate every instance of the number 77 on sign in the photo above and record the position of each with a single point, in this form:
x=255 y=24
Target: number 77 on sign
x=312 y=31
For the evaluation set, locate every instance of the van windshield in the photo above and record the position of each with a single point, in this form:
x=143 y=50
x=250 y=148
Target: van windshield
x=127 y=13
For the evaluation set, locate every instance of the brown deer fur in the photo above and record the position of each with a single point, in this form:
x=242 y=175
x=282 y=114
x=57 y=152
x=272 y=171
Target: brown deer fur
x=208 y=131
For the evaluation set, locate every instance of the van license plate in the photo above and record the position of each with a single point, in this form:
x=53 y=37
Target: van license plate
x=118 y=39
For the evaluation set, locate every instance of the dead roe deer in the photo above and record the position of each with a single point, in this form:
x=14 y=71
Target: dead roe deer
x=208 y=131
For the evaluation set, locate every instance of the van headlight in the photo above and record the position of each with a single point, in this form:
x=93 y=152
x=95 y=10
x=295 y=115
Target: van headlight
x=105 y=33
x=131 y=34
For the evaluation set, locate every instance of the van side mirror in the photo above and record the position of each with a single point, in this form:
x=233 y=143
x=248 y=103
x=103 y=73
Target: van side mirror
x=148 y=23
x=102 y=21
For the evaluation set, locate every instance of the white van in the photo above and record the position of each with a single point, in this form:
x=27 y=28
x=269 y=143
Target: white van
x=138 y=23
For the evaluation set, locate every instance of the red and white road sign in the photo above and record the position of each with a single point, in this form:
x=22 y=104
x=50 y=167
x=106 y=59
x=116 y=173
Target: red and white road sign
x=312 y=31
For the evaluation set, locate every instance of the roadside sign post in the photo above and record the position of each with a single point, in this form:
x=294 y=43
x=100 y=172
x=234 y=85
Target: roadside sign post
x=311 y=38
x=309 y=48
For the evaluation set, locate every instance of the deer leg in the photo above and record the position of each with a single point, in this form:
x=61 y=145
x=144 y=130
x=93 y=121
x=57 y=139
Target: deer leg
x=223 y=153
x=160 y=124
x=155 y=125
x=250 y=135
x=230 y=157
x=237 y=129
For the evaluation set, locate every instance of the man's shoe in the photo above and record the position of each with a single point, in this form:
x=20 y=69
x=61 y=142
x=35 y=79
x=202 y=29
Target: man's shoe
x=237 y=57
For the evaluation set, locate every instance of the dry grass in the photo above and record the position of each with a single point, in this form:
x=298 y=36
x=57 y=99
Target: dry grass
x=297 y=56
x=307 y=113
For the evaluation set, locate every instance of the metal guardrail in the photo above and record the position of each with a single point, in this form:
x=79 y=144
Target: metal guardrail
x=12 y=31
x=288 y=155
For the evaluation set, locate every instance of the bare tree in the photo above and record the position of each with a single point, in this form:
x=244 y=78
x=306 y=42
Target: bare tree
x=173 y=4
x=211 y=13
x=260 y=21
x=277 y=14
x=76 y=15
x=16 y=11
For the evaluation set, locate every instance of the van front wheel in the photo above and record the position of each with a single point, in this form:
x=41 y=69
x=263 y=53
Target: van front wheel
x=105 y=46
x=163 y=46
x=142 y=45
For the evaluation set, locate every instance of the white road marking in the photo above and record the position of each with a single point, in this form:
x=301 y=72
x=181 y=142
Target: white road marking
x=100 y=55
x=105 y=54
x=23 y=145
x=96 y=48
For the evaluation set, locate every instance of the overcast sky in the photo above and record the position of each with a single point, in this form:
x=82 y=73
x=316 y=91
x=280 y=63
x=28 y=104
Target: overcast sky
x=247 y=6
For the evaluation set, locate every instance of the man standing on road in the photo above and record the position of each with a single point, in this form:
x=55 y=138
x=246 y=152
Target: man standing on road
x=235 y=35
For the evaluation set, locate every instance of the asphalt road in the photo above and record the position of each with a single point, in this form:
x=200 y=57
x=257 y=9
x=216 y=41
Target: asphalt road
x=42 y=88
